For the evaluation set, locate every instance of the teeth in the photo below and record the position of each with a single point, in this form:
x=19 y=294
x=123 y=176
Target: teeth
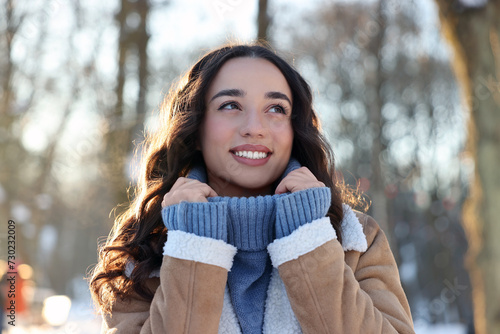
x=251 y=155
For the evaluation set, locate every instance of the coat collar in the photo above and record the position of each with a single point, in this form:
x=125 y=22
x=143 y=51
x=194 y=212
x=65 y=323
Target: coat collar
x=353 y=237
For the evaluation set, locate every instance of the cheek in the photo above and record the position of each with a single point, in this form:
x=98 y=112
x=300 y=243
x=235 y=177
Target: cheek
x=283 y=133
x=216 y=132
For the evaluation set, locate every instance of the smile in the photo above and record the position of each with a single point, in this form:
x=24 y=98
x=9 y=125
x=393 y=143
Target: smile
x=251 y=155
x=251 y=158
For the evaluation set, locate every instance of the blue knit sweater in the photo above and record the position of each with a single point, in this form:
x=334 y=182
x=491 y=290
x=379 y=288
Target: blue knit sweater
x=250 y=224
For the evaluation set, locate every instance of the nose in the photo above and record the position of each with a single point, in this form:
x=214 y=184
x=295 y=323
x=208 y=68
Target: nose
x=254 y=124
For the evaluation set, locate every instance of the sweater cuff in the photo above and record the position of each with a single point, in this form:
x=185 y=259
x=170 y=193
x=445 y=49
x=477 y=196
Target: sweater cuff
x=301 y=207
x=303 y=240
x=188 y=246
x=203 y=219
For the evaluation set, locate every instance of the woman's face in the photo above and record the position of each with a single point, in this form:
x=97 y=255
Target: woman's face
x=246 y=135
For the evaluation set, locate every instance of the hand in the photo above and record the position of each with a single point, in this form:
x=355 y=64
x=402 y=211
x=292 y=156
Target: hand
x=188 y=190
x=298 y=179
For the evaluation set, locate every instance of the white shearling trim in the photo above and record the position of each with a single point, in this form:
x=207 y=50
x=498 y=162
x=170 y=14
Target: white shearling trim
x=129 y=267
x=189 y=246
x=278 y=313
x=228 y=323
x=279 y=316
x=155 y=273
x=353 y=237
x=301 y=241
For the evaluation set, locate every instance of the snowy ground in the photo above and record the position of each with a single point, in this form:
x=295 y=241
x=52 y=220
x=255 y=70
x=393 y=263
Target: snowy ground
x=92 y=325
x=441 y=329
x=83 y=320
x=71 y=327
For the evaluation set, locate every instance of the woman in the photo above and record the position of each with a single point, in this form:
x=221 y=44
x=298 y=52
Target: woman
x=259 y=239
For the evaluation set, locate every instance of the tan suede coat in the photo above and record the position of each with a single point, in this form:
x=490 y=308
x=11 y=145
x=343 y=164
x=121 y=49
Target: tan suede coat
x=330 y=291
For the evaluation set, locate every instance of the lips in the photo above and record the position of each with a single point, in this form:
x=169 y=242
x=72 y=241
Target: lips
x=250 y=148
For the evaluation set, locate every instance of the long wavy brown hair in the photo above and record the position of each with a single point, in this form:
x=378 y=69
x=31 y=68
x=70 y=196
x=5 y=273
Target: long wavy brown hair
x=139 y=234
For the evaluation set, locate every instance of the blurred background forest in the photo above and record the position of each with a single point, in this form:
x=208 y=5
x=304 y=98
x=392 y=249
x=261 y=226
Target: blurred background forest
x=408 y=113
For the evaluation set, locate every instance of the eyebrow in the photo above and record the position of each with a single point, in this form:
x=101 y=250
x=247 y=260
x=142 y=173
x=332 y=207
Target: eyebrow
x=229 y=92
x=278 y=95
x=241 y=93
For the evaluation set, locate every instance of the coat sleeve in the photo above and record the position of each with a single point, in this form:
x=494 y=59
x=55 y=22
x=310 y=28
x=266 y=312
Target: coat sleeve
x=190 y=294
x=329 y=296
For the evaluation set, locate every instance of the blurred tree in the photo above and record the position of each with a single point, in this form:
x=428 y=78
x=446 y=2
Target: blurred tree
x=26 y=176
x=389 y=104
x=49 y=172
x=31 y=178
x=11 y=144
x=126 y=121
x=263 y=21
x=472 y=28
x=12 y=152
x=376 y=79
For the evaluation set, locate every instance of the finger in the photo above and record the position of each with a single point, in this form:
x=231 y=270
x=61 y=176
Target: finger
x=301 y=179
x=180 y=182
x=198 y=194
x=294 y=177
x=303 y=171
x=195 y=185
x=208 y=191
x=191 y=192
x=179 y=185
x=212 y=193
x=282 y=187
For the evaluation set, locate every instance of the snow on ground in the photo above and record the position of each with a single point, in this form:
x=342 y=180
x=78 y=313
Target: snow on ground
x=92 y=325
x=440 y=329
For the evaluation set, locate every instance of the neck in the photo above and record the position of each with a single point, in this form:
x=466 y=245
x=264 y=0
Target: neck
x=227 y=189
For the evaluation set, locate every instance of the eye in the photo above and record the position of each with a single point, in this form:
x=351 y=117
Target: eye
x=229 y=106
x=278 y=108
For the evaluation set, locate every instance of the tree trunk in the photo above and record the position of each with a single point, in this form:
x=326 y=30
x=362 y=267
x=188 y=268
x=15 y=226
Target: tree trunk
x=474 y=37
x=122 y=130
x=263 y=21
x=377 y=187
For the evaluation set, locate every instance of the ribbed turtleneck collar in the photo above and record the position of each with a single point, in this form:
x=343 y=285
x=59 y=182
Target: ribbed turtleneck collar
x=250 y=219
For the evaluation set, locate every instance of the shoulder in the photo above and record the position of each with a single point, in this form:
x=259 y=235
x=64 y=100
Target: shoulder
x=375 y=236
x=133 y=302
x=130 y=301
x=370 y=225
x=377 y=252
x=371 y=229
